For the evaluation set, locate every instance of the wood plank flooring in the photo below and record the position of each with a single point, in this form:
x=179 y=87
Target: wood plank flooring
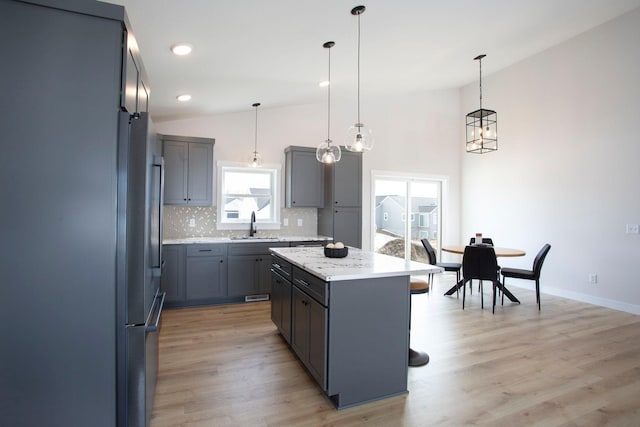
x=572 y=364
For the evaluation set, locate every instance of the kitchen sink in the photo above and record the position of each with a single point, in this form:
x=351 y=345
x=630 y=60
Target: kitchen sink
x=254 y=238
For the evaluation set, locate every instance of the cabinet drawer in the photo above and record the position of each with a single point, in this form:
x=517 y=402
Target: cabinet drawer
x=282 y=267
x=311 y=285
x=207 y=250
x=261 y=248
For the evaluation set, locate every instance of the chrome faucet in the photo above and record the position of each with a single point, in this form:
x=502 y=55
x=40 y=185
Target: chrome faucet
x=252 y=227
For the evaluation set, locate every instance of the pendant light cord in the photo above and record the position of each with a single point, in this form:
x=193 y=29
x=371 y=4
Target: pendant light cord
x=255 y=144
x=480 y=60
x=329 y=102
x=358 y=71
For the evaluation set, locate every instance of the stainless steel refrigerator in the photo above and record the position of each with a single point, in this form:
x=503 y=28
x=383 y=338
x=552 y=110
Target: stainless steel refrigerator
x=80 y=221
x=139 y=266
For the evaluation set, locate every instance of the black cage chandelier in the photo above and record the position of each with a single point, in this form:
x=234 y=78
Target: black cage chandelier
x=482 y=125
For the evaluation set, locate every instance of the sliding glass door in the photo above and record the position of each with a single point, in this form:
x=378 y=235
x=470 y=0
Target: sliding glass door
x=407 y=209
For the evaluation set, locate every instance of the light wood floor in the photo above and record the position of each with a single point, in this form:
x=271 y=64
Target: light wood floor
x=572 y=364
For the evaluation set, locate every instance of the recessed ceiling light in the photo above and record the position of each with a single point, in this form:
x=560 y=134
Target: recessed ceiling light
x=181 y=49
x=183 y=98
x=324 y=83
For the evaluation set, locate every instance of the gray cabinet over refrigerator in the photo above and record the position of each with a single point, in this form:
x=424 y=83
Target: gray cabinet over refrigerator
x=81 y=249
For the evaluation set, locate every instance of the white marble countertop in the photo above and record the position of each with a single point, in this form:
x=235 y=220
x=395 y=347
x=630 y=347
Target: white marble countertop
x=244 y=239
x=358 y=264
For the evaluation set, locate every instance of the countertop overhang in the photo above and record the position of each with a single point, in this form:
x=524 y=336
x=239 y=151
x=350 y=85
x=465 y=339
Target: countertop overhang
x=357 y=265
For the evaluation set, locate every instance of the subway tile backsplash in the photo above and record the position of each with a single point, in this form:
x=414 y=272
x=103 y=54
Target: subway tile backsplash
x=200 y=221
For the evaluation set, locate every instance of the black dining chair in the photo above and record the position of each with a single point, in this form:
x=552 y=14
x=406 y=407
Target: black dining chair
x=485 y=241
x=533 y=274
x=480 y=262
x=447 y=266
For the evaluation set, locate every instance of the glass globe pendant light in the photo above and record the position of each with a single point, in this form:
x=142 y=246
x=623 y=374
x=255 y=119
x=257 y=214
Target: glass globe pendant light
x=255 y=159
x=327 y=153
x=359 y=138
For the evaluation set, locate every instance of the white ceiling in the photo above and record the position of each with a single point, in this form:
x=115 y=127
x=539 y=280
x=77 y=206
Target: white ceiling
x=270 y=51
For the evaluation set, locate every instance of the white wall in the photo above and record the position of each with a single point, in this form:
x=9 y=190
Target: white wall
x=566 y=171
x=414 y=133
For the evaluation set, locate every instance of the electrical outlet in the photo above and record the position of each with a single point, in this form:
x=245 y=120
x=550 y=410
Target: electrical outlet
x=593 y=278
x=192 y=222
x=633 y=229
x=299 y=222
x=285 y=222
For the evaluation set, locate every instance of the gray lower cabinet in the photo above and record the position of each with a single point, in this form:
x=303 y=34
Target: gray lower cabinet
x=206 y=276
x=309 y=334
x=249 y=267
x=173 y=282
x=281 y=293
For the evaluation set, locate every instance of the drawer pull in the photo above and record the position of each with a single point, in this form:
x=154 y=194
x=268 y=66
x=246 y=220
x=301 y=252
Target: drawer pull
x=204 y=250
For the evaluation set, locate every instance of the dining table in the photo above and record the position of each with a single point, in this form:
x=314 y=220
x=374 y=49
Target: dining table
x=500 y=252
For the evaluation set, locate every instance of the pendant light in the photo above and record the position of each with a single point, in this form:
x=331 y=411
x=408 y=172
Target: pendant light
x=482 y=125
x=327 y=153
x=255 y=159
x=359 y=138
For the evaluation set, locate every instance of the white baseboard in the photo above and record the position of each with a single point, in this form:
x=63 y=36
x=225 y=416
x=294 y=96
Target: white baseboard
x=577 y=296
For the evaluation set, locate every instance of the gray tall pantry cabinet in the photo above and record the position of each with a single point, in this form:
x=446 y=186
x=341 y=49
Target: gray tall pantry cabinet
x=67 y=74
x=341 y=216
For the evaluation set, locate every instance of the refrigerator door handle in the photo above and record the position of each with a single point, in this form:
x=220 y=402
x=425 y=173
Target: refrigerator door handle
x=154 y=327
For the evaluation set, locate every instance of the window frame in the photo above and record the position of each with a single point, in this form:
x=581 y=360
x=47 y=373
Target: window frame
x=274 y=170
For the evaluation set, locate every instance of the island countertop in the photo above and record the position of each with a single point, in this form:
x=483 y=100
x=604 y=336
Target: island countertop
x=358 y=264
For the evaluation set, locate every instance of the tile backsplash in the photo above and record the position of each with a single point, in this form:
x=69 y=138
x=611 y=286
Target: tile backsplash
x=177 y=220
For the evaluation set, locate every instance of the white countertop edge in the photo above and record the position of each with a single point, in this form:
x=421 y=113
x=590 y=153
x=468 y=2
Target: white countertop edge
x=201 y=240
x=410 y=269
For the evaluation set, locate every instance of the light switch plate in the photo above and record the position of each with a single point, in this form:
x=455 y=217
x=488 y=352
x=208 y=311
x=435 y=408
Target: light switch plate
x=299 y=222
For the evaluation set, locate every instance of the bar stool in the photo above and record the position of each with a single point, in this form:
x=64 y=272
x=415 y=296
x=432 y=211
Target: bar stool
x=417 y=286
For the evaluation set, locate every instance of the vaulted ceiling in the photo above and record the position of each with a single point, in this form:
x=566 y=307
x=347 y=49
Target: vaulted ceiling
x=270 y=51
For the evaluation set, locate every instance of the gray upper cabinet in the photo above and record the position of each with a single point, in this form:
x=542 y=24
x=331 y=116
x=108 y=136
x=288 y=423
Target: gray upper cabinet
x=188 y=170
x=136 y=93
x=304 y=178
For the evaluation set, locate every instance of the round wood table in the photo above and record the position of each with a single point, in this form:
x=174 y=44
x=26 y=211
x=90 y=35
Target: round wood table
x=500 y=252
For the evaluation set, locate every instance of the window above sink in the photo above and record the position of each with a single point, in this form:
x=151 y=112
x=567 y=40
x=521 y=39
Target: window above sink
x=243 y=190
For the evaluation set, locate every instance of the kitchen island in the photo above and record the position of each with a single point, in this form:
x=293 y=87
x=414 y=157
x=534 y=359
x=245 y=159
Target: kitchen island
x=347 y=319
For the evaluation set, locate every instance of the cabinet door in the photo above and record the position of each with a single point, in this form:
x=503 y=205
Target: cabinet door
x=131 y=85
x=347 y=226
x=317 y=347
x=264 y=274
x=205 y=277
x=200 y=174
x=175 y=175
x=304 y=180
x=243 y=275
x=347 y=180
x=172 y=276
x=276 y=300
x=299 y=327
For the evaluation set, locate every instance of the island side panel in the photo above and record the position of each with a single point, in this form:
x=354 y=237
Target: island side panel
x=368 y=339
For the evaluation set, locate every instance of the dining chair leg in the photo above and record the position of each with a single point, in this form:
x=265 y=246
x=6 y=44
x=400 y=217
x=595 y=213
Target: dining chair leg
x=481 y=296
x=538 y=293
x=464 y=292
x=504 y=279
x=493 y=310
